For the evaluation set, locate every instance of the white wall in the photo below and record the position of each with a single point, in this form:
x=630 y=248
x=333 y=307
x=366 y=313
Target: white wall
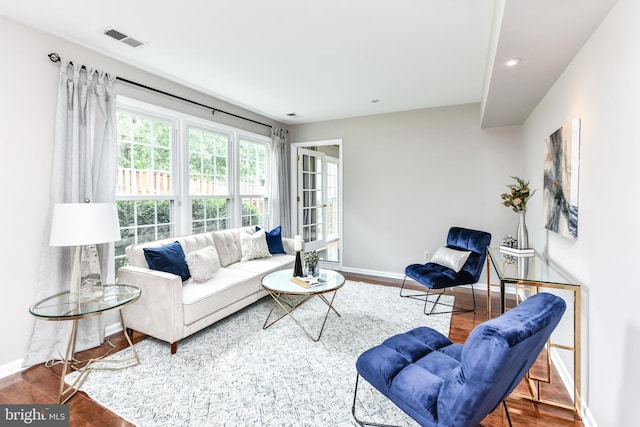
x=602 y=87
x=410 y=176
x=28 y=90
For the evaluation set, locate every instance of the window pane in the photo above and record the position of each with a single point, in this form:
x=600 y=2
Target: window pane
x=208 y=163
x=254 y=211
x=144 y=155
x=142 y=221
x=146 y=212
x=126 y=213
x=210 y=215
x=128 y=238
x=253 y=168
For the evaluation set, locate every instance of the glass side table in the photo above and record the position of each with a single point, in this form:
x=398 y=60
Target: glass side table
x=59 y=307
x=530 y=275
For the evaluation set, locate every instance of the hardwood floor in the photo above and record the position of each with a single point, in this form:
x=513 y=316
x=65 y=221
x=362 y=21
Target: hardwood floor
x=39 y=384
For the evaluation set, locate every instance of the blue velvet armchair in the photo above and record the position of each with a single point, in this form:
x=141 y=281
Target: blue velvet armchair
x=453 y=268
x=439 y=383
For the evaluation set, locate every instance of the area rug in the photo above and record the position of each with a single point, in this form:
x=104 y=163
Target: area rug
x=234 y=373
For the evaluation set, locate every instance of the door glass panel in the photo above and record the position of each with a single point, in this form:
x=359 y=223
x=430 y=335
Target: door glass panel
x=312 y=202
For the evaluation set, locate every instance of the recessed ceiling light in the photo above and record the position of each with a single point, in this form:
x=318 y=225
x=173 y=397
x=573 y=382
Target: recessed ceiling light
x=512 y=62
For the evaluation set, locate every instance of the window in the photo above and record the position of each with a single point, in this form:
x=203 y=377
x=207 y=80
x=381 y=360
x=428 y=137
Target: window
x=179 y=174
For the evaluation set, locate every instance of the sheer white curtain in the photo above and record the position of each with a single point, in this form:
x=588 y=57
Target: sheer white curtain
x=280 y=206
x=84 y=167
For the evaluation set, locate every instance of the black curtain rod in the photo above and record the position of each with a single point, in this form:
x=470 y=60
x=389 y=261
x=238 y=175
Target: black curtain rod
x=54 y=57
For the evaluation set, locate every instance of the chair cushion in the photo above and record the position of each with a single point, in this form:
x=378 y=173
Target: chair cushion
x=410 y=368
x=470 y=240
x=436 y=276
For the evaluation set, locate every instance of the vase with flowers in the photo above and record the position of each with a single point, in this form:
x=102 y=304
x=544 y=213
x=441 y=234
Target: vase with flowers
x=516 y=199
x=311 y=263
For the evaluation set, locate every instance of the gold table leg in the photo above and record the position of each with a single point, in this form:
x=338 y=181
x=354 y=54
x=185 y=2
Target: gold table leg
x=278 y=301
x=69 y=363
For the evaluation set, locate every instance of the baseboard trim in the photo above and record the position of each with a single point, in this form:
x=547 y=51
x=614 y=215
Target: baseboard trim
x=112 y=329
x=11 y=368
x=478 y=286
x=587 y=418
x=567 y=379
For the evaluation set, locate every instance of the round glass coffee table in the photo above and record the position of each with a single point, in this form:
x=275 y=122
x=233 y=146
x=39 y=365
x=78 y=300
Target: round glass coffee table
x=61 y=307
x=281 y=287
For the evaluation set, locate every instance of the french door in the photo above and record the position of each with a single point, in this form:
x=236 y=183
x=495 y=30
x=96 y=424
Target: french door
x=311 y=198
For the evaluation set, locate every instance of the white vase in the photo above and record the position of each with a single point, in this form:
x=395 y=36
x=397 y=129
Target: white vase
x=522 y=234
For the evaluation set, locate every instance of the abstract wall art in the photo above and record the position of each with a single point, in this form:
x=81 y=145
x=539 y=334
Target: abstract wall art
x=560 y=192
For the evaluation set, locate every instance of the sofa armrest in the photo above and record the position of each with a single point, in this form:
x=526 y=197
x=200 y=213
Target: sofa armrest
x=287 y=244
x=158 y=312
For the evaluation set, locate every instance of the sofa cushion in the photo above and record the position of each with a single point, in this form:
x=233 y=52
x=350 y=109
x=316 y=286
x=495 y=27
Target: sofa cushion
x=228 y=244
x=168 y=258
x=254 y=246
x=226 y=287
x=190 y=243
x=264 y=265
x=274 y=240
x=203 y=263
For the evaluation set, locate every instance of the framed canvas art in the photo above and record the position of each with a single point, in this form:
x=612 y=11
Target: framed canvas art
x=560 y=190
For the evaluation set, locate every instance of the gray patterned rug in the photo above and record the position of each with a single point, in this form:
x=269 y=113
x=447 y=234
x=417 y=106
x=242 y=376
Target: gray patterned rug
x=234 y=373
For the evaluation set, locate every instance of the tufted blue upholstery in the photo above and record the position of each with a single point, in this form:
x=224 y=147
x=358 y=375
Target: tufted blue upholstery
x=439 y=383
x=435 y=276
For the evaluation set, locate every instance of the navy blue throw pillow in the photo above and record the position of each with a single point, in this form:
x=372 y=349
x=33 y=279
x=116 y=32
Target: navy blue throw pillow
x=169 y=258
x=274 y=240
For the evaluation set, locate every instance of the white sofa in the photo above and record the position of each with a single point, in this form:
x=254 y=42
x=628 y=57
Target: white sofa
x=170 y=309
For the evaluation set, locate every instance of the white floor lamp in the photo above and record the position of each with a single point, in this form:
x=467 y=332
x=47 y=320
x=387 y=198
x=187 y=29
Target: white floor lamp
x=79 y=224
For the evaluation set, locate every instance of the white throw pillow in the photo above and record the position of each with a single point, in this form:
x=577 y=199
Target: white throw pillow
x=451 y=258
x=203 y=263
x=254 y=245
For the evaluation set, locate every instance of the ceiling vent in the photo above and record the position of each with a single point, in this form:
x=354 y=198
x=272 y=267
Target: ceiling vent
x=117 y=35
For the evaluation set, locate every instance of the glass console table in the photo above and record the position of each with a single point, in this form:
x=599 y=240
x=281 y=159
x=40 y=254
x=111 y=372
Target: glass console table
x=530 y=275
x=59 y=307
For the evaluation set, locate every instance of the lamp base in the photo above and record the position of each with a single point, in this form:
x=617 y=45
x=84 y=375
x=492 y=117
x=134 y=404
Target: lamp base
x=84 y=289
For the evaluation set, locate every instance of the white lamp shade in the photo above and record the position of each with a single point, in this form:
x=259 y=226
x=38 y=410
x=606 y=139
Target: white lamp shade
x=75 y=224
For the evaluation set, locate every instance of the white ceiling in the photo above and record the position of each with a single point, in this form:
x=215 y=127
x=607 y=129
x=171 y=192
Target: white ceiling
x=329 y=59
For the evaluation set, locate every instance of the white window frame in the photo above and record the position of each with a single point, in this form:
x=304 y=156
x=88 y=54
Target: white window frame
x=180 y=160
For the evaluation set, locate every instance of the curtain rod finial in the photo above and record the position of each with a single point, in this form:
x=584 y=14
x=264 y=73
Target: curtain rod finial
x=54 y=57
